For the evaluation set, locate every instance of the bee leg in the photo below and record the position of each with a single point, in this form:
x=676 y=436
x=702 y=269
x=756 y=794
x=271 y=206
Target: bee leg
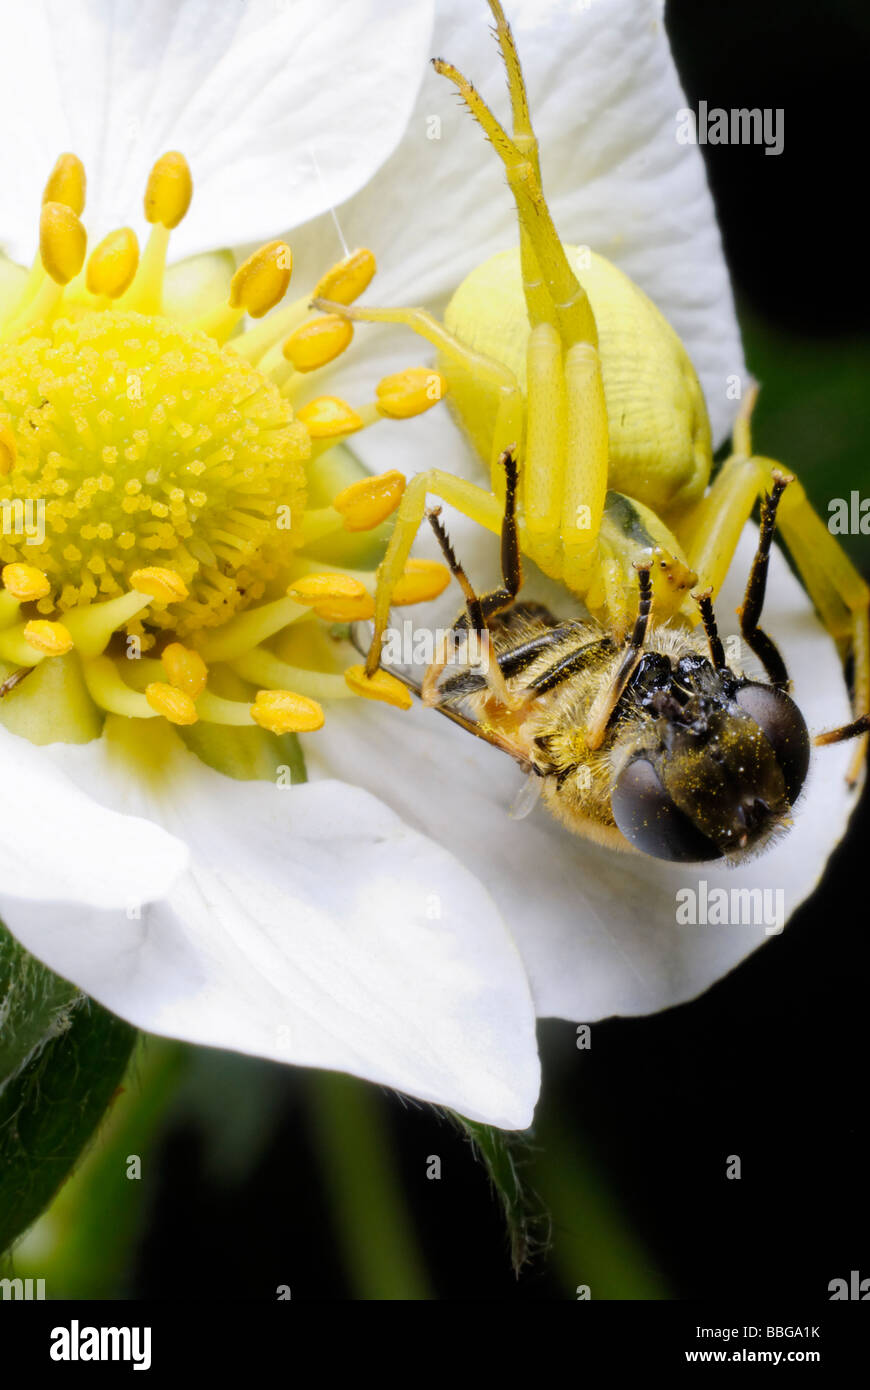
x=606 y=701
x=511 y=559
x=838 y=591
x=15 y=679
x=477 y=609
x=763 y=645
x=711 y=628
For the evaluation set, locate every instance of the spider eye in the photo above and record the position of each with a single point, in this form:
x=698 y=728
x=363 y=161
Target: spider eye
x=782 y=724
x=651 y=821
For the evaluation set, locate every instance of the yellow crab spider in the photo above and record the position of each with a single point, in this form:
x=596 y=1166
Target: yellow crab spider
x=572 y=365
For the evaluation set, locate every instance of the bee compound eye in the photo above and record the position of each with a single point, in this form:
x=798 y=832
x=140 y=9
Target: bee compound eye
x=782 y=724
x=652 y=822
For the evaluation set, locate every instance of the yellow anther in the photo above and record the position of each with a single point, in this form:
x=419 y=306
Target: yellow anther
x=261 y=281
x=67 y=183
x=338 y=598
x=367 y=503
x=410 y=392
x=165 y=585
x=169 y=190
x=317 y=342
x=174 y=705
x=25 y=583
x=422 y=580
x=185 y=668
x=8 y=450
x=283 y=712
x=312 y=588
x=380 y=686
x=114 y=263
x=62 y=242
x=347 y=279
x=328 y=416
x=52 y=639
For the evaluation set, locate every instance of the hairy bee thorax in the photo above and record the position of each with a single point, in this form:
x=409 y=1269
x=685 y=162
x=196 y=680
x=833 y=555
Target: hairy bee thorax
x=696 y=762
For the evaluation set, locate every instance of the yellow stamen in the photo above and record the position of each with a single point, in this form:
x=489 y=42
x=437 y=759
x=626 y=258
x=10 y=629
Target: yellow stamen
x=367 y=503
x=261 y=281
x=62 y=242
x=8 y=450
x=312 y=588
x=113 y=264
x=317 y=342
x=327 y=417
x=380 y=686
x=283 y=712
x=335 y=597
x=51 y=639
x=175 y=705
x=92 y=624
x=67 y=183
x=267 y=671
x=246 y=630
x=346 y=280
x=169 y=190
x=185 y=668
x=162 y=584
x=25 y=582
x=410 y=392
x=111 y=693
x=422 y=580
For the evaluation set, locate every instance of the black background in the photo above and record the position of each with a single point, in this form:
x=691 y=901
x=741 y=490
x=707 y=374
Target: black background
x=770 y=1064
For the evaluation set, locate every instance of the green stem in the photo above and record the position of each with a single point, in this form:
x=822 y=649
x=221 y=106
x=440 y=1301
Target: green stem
x=591 y=1242
x=371 y=1220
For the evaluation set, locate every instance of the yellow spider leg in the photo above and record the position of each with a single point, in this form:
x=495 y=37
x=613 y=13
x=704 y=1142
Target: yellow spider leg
x=543 y=471
x=473 y=501
x=837 y=590
x=554 y=298
x=509 y=426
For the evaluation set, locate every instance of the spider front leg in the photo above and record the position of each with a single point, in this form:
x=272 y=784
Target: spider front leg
x=473 y=501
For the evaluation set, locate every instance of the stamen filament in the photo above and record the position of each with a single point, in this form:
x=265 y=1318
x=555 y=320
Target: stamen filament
x=111 y=693
x=264 y=668
x=250 y=628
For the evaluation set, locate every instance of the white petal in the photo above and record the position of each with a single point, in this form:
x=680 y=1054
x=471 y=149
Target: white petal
x=62 y=851
x=598 y=929
x=314 y=928
x=604 y=98
x=282 y=109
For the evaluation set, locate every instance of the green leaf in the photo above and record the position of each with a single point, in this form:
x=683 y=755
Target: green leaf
x=502 y=1155
x=63 y=1058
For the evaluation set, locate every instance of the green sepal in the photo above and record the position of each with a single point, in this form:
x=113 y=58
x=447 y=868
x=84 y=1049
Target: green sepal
x=502 y=1153
x=63 y=1058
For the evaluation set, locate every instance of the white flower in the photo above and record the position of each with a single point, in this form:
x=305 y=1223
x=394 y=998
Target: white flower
x=408 y=932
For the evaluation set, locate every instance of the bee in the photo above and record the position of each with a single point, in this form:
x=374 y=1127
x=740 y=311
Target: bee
x=552 y=354
x=653 y=744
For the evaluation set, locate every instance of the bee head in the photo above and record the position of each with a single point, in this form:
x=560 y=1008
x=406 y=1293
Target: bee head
x=717 y=766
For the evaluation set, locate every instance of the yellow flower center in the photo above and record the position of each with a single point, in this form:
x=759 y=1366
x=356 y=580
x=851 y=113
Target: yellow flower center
x=143 y=443
x=156 y=485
